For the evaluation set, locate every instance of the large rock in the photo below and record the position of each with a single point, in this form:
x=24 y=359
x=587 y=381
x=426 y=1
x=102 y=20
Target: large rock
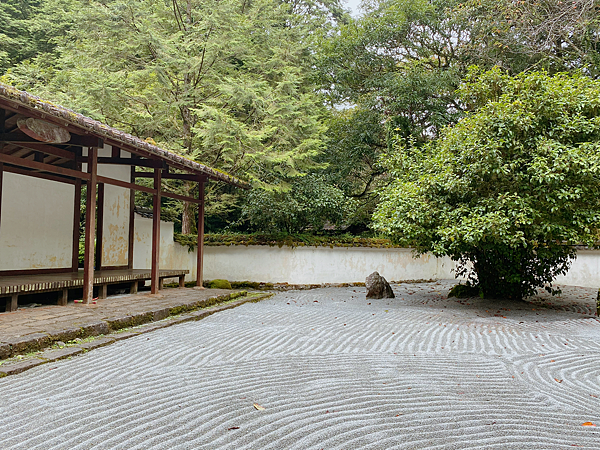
x=378 y=287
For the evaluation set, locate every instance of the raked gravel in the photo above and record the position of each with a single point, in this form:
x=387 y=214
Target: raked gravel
x=332 y=370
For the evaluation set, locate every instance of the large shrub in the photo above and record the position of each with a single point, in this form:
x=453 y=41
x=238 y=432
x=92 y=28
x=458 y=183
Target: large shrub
x=511 y=189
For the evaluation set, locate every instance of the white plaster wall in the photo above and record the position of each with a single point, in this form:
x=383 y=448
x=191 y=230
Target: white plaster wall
x=116 y=216
x=313 y=265
x=585 y=270
x=36 y=231
x=172 y=254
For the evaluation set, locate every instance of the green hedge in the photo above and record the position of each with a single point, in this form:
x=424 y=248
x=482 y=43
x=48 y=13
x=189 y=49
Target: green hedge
x=288 y=240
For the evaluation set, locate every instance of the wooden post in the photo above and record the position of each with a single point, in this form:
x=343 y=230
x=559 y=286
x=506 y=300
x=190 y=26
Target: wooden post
x=2 y=130
x=12 y=303
x=131 y=223
x=64 y=297
x=200 y=243
x=1 y=178
x=100 y=226
x=76 y=222
x=133 y=287
x=155 y=281
x=90 y=226
x=2 y=125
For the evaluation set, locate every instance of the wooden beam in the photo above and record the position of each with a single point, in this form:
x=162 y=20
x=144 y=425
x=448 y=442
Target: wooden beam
x=155 y=281
x=76 y=222
x=126 y=185
x=44 y=176
x=131 y=162
x=90 y=227
x=200 y=243
x=172 y=176
x=12 y=303
x=7 y=159
x=131 y=222
x=19 y=272
x=86 y=141
x=116 y=152
x=18 y=137
x=50 y=150
x=41 y=114
x=63 y=297
x=180 y=197
x=99 y=226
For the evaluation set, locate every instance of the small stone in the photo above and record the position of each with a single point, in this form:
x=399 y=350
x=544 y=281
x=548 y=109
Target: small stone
x=378 y=287
x=62 y=353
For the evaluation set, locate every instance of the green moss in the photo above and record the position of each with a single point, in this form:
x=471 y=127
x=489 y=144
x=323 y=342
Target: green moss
x=252 y=285
x=282 y=239
x=219 y=284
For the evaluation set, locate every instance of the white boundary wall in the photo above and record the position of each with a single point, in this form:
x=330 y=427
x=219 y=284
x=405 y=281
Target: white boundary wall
x=316 y=265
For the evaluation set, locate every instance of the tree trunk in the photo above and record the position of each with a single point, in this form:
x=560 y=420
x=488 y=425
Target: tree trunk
x=187 y=216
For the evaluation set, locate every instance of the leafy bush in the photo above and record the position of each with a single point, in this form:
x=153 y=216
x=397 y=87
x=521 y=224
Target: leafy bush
x=310 y=203
x=511 y=189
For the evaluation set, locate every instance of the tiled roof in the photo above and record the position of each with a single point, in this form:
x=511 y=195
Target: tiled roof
x=102 y=130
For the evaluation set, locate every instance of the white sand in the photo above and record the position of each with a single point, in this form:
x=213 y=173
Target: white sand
x=333 y=371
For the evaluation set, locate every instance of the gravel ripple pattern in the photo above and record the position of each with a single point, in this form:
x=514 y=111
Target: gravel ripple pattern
x=332 y=370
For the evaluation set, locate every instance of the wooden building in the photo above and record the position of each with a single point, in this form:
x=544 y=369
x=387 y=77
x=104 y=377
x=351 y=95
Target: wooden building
x=47 y=154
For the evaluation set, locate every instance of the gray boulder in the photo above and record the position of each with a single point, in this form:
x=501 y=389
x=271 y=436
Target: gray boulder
x=378 y=287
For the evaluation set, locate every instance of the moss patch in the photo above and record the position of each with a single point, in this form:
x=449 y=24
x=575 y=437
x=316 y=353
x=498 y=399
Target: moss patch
x=219 y=284
x=283 y=239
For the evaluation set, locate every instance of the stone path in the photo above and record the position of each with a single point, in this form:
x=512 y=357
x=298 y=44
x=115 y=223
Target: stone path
x=33 y=329
x=332 y=370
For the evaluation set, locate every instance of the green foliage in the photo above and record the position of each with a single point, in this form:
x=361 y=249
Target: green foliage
x=401 y=60
x=552 y=34
x=354 y=140
x=510 y=189
x=396 y=68
x=226 y=83
x=283 y=239
x=252 y=285
x=30 y=27
x=309 y=204
x=219 y=284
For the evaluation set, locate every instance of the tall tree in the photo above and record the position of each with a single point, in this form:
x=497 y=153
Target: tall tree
x=226 y=83
x=553 y=35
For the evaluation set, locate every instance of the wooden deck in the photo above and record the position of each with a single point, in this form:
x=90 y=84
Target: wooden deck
x=13 y=286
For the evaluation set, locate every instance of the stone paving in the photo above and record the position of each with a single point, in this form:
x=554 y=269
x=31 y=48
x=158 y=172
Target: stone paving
x=329 y=369
x=31 y=329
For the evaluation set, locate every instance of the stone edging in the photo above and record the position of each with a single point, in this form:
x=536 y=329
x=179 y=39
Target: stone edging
x=142 y=323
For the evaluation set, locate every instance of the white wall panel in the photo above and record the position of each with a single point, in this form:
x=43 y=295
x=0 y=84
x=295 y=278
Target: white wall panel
x=36 y=229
